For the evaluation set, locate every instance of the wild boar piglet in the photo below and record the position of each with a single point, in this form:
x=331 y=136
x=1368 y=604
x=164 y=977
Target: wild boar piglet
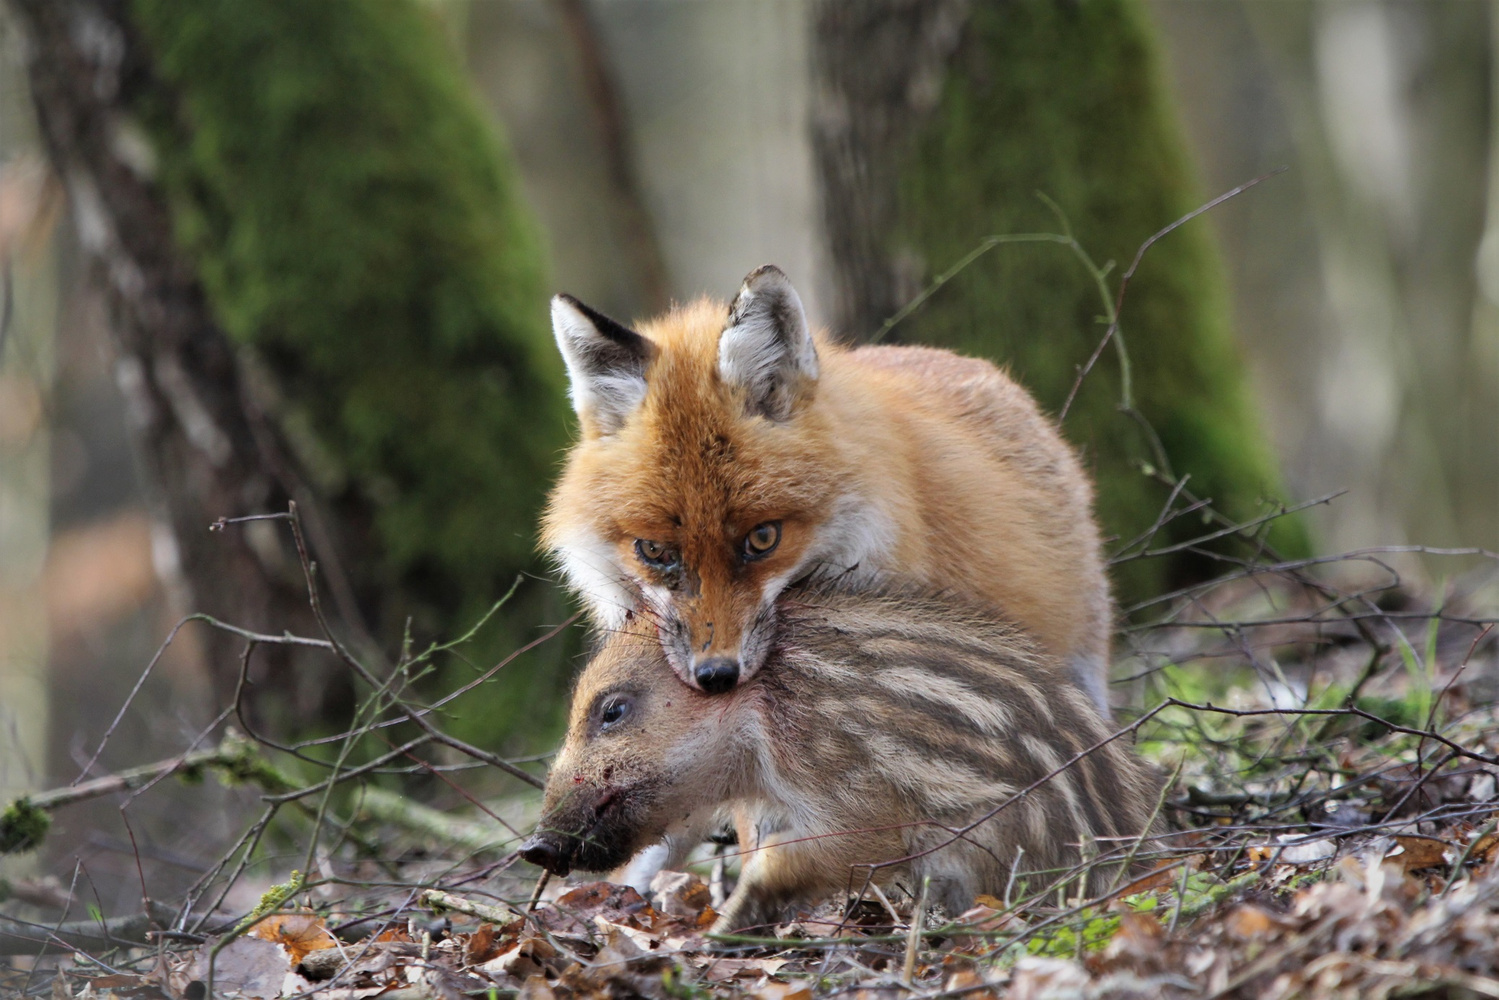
x=882 y=726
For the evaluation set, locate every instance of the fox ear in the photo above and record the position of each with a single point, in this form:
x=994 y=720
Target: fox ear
x=766 y=347
x=606 y=362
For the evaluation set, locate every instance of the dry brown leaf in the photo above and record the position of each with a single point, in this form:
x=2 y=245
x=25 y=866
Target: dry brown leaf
x=982 y=919
x=1036 y=978
x=719 y=970
x=535 y=988
x=1141 y=929
x=593 y=898
x=984 y=916
x=249 y=966
x=1162 y=876
x=571 y=914
x=783 y=991
x=1415 y=853
x=489 y=940
x=645 y=941
x=298 y=933
x=480 y=946
x=1247 y=922
x=525 y=959
x=969 y=980
x=680 y=894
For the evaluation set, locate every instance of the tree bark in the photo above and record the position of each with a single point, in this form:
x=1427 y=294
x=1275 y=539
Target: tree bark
x=627 y=200
x=28 y=324
x=879 y=68
x=202 y=439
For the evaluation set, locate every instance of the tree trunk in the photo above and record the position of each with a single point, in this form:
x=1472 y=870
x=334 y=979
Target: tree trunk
x=206 y=449
x=325 y=288
x=946 y=139
x=1391 y=108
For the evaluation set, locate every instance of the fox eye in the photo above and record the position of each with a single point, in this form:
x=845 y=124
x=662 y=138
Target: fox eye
x=613 y=710
x=762 y=540
x=657 y=555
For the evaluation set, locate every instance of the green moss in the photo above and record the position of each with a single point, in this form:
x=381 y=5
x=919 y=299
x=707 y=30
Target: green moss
x=241 y=762
x=23 y=826
x=272 y=900
x=1091 y=931
x=1063 y=98
x=357 y=222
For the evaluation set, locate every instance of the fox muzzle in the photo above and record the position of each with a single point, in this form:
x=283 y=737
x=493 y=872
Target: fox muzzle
x=717 y=675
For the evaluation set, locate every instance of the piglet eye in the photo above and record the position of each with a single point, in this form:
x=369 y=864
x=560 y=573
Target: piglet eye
x=613 y=711
x=657 y=555
x=762 y=540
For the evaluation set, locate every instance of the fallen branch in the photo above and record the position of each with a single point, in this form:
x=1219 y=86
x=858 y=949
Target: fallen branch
x=25 y=820
x=389 y=807
x=91 y=936
x=439 y=900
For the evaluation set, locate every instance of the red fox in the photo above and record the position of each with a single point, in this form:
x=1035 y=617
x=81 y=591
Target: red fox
x=727 y=453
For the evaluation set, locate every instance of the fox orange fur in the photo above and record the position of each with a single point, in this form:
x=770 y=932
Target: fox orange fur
x=727 y=452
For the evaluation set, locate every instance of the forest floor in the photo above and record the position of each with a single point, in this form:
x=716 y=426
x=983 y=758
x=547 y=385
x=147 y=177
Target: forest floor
x=1331 y=759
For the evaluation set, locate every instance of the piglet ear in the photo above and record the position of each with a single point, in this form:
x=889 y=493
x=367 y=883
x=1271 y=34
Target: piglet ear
x=606 y=361
x=766 y=348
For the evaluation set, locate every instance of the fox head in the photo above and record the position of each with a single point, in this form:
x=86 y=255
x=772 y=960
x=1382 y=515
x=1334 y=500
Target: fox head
x=706 y=478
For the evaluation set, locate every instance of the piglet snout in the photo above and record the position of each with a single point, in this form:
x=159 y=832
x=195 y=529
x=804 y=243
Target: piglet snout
x=547 y=850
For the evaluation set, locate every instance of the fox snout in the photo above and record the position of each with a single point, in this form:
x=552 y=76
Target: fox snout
x=717 y=675
x=716 y=650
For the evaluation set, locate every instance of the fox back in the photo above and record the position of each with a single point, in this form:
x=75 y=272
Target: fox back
x=888 y=734
x=727 y=452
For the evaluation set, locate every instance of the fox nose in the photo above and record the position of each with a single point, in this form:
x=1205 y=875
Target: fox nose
x=547 y=852
x=717 y=675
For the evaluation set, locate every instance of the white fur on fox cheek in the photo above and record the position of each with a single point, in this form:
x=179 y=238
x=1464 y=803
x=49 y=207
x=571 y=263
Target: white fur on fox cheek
x=754 y=642
x=670 y=629
x=856 y=533
x=590 y=565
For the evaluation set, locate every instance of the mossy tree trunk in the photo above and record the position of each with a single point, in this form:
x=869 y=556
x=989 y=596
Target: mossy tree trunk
x=182 y=382
x=946 y=139
x=325 y=283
